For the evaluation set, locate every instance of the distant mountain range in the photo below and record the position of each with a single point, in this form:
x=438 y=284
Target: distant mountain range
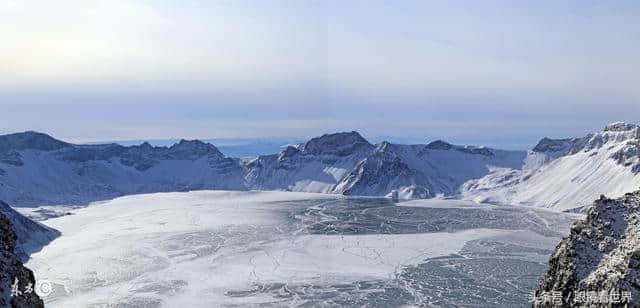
x=233 y=147
x=252 y=147
x=36 y=169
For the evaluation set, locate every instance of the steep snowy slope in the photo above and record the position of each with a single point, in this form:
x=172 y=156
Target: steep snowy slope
x=348 y=164
x=315 y=166
x=419 y=171
x=567 y=173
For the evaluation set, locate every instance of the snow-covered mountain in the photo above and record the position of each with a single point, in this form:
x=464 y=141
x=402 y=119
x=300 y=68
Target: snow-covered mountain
x=567 y=173
x=424 y=171
x=315 y=166
x=36 y=169
x=346 y=163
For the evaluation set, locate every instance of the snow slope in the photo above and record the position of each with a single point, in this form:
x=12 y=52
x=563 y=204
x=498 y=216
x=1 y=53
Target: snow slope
x=567 y=173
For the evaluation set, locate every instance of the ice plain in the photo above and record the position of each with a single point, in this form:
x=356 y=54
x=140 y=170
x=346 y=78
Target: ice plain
x=282 y=249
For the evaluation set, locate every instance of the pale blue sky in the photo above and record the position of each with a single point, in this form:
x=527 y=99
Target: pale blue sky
x=483 y=72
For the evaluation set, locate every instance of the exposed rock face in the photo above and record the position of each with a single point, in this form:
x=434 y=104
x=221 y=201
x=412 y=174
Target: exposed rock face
x=143 y=156
x=11 y=144
x=380 y=173
x=340 y=144
x=554 y=145
x=30 y=140
x=11 y=270
x=619 y=132
x=384 y=170
x=620 y=127
x=31 y=236
x=601 y=254
x=438 y=145
x=445 y=146
x=315 y=166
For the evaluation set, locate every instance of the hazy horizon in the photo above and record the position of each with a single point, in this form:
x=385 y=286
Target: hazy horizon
x=486 y=73
x=263 y=145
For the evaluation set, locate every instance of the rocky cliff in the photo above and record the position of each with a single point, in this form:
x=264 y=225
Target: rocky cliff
x=598 y=264
x=12 y=271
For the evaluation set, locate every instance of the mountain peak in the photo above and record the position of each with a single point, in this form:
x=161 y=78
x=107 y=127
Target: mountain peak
x=618 y=132
x=620 y=127
x=439 y=145
x=30 y=140
x=553 y=145
x=192 y=149
x=343 y=143
x=192 y=143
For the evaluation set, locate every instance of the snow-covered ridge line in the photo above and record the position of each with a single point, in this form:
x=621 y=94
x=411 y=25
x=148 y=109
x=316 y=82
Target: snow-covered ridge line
x=567 y=173
x=36 y=169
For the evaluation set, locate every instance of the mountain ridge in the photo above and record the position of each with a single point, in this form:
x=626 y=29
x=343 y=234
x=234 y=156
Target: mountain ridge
x=37 y=169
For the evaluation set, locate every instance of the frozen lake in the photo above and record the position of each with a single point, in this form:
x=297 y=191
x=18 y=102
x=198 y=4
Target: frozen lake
x=275 y=249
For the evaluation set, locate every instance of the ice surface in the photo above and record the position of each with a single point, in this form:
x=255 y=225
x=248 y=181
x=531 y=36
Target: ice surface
x=274 y=249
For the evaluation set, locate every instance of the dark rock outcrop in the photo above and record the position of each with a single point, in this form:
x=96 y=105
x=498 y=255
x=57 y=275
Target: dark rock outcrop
x=30 y=141
x=554 y=145
x=31 y=235
x=445 y=146
x=598 y=264
x=439 y=145
x=340 y=144
x=12 y=270
x=143 y=156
